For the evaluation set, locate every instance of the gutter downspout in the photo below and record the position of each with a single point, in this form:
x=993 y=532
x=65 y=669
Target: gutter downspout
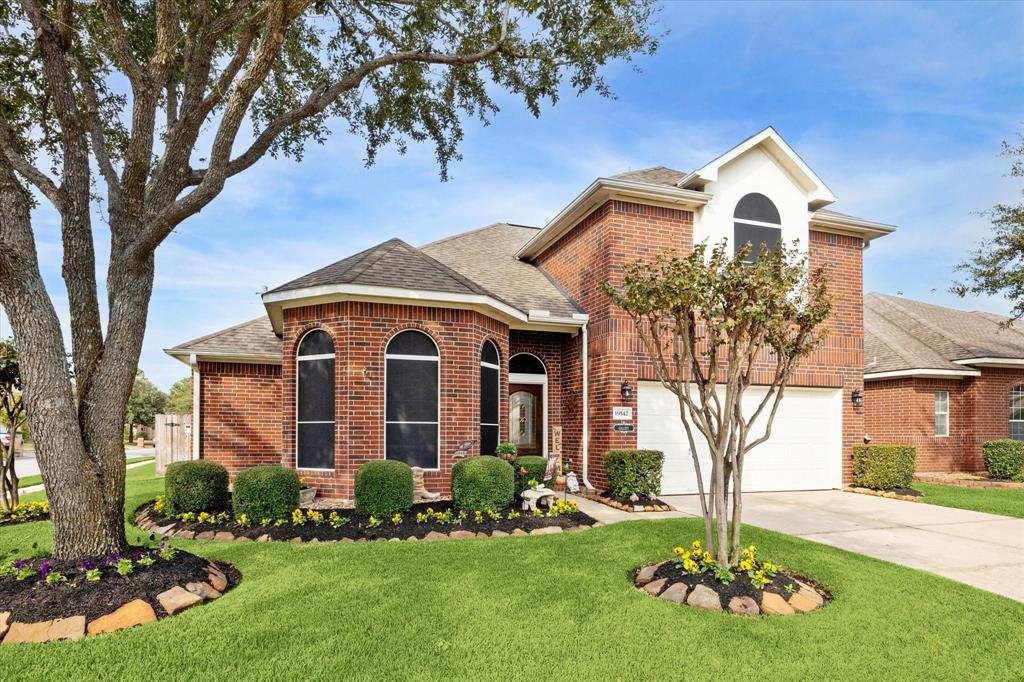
x=196 y=383
x=586 y=407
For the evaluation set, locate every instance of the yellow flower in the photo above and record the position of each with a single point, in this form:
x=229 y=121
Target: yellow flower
x=707 y=557
x=678 y=551
x=695 y=545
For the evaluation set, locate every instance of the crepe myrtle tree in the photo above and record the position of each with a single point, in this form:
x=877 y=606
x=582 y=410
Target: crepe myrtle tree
x=714 y=324
x=129 y=114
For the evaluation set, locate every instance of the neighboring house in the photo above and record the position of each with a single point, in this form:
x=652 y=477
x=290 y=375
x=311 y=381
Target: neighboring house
x=428 y=354
x=942 y=380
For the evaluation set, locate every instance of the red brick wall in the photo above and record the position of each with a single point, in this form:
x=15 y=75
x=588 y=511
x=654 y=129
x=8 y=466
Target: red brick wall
x=240 y=414
x=903 y=411
x=361 y=332
x=596 y=250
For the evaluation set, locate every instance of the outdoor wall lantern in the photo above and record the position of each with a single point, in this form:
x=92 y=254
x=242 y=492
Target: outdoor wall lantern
x=627 y=391
x=857 y=398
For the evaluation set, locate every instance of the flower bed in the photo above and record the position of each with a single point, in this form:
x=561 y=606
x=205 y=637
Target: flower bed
x=908 y=494
x=25 y=512
x=649 y=504
x=426 y=521
x=42 y=599
x=754 y=587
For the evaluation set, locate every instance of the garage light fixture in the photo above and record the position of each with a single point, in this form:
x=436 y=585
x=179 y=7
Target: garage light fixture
x=857 y=398
x=627 y=391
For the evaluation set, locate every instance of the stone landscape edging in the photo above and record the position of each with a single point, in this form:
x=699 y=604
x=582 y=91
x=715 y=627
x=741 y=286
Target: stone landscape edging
x=615 y=504
x=808 y=598
x=145 y=522
x=883 y=493
x=127 y=615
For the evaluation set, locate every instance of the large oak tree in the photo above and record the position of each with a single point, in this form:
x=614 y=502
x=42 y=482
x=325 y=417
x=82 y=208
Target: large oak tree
x=129 y=113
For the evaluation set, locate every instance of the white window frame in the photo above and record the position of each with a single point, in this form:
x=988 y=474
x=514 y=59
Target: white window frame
x=752 y=256
x=533 y=379
x=304 y=358
x=491 y=365
x=1016 y=390
x=943 y=413
x=422 y=358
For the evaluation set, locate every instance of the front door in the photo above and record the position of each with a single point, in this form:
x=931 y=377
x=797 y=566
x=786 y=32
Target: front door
x=526 y=418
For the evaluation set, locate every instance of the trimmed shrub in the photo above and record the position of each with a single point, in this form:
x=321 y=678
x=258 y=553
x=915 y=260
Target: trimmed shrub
x=1004 y=459
x=195 y=486
x=535 y=466
x=883 y=467
x=481 y=483
x=633 y=472
x=266 y=492
x=383 y=488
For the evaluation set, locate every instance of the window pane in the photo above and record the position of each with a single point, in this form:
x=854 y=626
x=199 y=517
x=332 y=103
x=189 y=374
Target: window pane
x=488 y=439
x=412 y=343
x=488 y=395
x=942 y=425
x=526 y=364
x=316 y=342
x=941 y=401
x=411 y=391
x=1017 y=430
x=489 y=353
x=1016 y=404
x=414 y=444
x=315 y=446
x=758 y=237
x=316 y=390
x=757 y=207
x=522 y=415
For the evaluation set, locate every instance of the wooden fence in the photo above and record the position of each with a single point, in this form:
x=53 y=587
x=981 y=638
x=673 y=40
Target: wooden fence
x=173 y=439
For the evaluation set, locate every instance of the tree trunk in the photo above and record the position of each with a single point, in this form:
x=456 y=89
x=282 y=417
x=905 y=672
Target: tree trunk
x=8 y=476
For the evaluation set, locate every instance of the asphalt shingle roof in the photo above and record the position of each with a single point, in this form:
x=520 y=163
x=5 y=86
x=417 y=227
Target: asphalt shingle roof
x=655 y=175
x=255 y=337
x=487 y=257
x=901 y=333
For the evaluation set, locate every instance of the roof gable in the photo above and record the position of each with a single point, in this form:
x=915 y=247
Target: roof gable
x=768 y=140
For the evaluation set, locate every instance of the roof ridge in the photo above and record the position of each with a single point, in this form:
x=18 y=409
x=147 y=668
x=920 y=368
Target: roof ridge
x=366 y=262
x=450 y=237
x=219 y=332
x=459 y=277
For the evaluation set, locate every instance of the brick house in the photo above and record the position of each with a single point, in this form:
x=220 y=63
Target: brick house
x=942 y=380
x=501 y=334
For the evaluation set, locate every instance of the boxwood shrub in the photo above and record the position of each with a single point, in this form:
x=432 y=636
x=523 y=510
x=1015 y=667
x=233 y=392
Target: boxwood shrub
x=481 y=483
x=633 y=472
x=535 y=467
x=195 y=486
x=883 y=467
x=266 y=492
x=383 y=488
x=1004 y=459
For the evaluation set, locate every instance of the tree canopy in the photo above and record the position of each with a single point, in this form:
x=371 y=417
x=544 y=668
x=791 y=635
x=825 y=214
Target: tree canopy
x=145 y=402
x=179 y=398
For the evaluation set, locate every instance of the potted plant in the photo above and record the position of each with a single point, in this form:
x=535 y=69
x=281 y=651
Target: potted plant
x=506 y=451
x=306 y=494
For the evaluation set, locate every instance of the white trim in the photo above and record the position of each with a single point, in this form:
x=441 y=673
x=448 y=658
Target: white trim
x=992 y=362
x=490 y=365
x=935 y=409
x=185 y=355
x=922 y=374
x=544 y=406
x=602 y=190
x=866 y=229
x=758 y=223
x=197 y=382
x=1010 y=395
x=334 y=383
x=535 y=379
x=818 y=193
x=480 y=407
x=387 y=356
x=585 y=440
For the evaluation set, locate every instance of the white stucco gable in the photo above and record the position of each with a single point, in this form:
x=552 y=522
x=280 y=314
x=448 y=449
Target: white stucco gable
x=762 y=164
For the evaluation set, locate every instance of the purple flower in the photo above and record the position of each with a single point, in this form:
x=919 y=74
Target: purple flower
x=21 y=563
x=88 y=565
x=44 y=569
x=113 y=558
x=137 y=555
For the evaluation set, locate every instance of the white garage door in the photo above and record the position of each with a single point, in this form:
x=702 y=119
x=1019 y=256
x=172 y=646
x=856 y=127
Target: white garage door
x=804 y=452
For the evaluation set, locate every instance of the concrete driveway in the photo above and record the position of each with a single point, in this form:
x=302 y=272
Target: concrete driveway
x=989 y=549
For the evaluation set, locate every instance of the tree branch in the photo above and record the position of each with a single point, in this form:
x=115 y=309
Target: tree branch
x=25 y=168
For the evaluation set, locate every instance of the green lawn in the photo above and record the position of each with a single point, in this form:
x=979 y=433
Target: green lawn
x=1003 y=501
x=540 y=608
x=36 y=479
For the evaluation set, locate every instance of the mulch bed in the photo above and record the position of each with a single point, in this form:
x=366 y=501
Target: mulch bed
x=33 y=600
x=625 y=504
x=908 y=494
x=6 y=521
x=741 y=586
x=358 y=528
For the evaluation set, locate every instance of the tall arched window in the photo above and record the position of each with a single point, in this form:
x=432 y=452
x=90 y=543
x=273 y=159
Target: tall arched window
x=1017 y=412
x=412 y=384
x=314 y=437
x=527 y=404
x=756 y=222
x=490 y=398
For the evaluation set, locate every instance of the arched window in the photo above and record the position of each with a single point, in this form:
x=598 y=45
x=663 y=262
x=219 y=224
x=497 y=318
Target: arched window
x=314 y=438
x=756 y=222
x=490 y=398
x=1017 y=412
x=412 y=384
x=526 y=363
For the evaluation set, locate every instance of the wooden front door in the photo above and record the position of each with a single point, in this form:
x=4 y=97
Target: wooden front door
x=526 y=418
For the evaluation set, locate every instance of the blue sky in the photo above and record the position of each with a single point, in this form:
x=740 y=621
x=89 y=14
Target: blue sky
x=900 y=108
